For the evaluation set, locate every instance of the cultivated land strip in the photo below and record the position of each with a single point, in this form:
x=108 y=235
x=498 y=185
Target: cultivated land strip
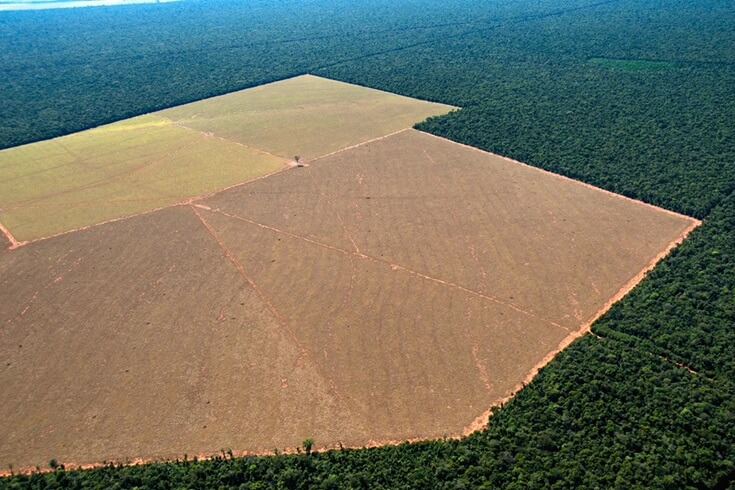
x=279 y=318
x=392 y=266
x=187 y=201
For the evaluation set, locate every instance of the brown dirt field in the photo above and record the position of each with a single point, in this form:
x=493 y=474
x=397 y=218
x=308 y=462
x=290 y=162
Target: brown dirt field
x=548 y=246
x=139 y=338
x=392 y=291
x=293 y=201
x=410 y=357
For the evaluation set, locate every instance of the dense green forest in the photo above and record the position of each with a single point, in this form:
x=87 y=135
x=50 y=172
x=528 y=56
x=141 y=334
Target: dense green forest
x=685 y=310
x=635 y=96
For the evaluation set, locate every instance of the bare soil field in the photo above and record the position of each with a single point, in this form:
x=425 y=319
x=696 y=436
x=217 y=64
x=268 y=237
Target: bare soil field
x=545 y=245
x=393 y=290
x=408 y=356
x=140 y=338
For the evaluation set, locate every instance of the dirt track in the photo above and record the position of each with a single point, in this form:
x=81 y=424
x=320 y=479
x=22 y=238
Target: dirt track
x=7 y=240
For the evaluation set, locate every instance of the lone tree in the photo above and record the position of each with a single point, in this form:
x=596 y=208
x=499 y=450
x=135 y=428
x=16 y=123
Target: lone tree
x=308 y=443
x=297 y=159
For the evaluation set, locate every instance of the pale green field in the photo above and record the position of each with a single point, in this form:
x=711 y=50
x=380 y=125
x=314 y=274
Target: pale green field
x=116 y=170
x=307 y=116
x=162 y=158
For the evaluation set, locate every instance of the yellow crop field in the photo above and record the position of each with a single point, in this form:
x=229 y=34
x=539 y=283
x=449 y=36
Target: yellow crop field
x=163 y=158
x=306 y=116
x=116 y=170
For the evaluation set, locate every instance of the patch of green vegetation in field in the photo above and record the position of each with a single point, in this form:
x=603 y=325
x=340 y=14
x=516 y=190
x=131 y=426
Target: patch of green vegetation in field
x=632 y=65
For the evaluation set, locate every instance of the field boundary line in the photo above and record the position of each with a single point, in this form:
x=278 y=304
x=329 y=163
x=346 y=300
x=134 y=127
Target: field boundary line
x=483 y=420
x=564 y=177
x=13 y=242
x=190 y=200
x=359 y=145
x=464 y=289
x=276 y=230
x=393 y=266
x=279 y=318
x=211 y=134
x=339 y=216
x=185 y=202
x=106 y=222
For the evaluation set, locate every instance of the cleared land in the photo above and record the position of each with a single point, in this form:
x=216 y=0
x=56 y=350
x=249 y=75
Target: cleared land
x=306 y=116
x=409 y=357
x=548 y=246
x=160 y=159
x=394 y=290
x=139 y=338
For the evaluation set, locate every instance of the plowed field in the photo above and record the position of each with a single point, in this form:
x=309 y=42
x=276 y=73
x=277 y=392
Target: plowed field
x=396 y=289
x=543 y=244
x=139 y=338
